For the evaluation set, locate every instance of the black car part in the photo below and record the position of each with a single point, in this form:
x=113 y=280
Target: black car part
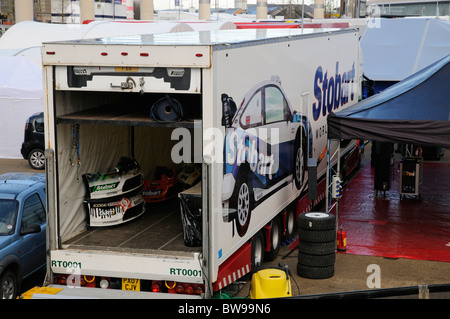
x=167 y=109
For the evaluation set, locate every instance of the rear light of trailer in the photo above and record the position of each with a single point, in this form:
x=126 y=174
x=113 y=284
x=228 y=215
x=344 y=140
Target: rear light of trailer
x=156 y=286
x=69 y=280
x=60 y=279
x=179 y=289
x=90 y=281
x=105 y=283
x=185 y=288
x=198 y=290
x=82 y=281
x=189 y=290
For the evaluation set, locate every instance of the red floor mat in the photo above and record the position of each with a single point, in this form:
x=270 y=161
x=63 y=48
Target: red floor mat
x=390 y=227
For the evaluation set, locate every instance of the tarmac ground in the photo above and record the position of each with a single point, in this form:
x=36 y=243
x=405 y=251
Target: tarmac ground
x=355 y=273
x=362 y=275
x=358 y=276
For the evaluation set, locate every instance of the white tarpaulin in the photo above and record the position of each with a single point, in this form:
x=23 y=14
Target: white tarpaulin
x=20 y=96
x=210 y=25
x=30 y=34
x=393 y=49
x=20 y=66
x=26 y=38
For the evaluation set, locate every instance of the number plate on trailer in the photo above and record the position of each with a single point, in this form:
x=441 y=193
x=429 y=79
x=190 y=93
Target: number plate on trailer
x=131 y=284
x=125 y=69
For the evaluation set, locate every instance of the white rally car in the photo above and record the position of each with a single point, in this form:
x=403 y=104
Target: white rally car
x=116 y=197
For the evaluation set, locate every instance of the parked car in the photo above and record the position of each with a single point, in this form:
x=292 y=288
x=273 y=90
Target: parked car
x=22 y=229
x=33 y=143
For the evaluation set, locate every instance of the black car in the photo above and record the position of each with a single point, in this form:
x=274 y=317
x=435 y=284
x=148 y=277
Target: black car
x=33 y=144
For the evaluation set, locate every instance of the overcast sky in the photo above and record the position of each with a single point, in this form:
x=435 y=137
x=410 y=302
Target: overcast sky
x=170 y=4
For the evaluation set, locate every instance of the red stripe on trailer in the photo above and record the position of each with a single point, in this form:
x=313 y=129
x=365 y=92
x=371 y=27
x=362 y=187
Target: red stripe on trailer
x=122 y=21
x=262 y=25
x=305 y=204
x=238 y=265
x=337 y=25
x=290 y=25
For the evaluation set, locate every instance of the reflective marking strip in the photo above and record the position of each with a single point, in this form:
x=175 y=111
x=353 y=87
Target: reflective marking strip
x=234 y=276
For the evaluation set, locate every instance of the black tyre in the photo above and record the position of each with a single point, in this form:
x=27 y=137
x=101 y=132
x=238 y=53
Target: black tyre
x=243 y=202
x=9 y=285
x=36 y=159
x=275 y=240
x=317 y=236
x=257 y=254
x=315 y=272
x=316 y=260
x=291 y=223
x=317 y=221
x=316 y=248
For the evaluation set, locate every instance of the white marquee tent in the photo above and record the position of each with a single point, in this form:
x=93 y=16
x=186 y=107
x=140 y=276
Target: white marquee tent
x=20 y=96
x=21 y=70
x=26 y=38
x=393 y=49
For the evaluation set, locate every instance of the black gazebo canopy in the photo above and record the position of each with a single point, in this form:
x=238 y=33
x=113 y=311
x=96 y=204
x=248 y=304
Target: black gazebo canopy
x=415 y=110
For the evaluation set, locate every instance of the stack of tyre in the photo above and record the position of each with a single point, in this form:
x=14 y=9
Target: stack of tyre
x=316 y=245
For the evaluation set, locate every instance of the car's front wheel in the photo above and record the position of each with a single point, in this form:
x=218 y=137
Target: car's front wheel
x=299 y=162
x=8 y=285
x=244 y=207
x=36 y=159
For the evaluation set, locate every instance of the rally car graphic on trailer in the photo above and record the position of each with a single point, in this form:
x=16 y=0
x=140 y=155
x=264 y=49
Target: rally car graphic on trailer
x=266 y=147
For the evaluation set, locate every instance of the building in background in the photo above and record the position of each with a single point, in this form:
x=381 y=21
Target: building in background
x=406 y=8
x=68 y=11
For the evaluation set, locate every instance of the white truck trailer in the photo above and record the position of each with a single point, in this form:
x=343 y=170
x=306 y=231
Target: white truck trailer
x=248 y=107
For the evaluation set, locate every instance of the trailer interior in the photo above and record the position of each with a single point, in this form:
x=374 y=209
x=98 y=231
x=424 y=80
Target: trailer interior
x=101 y=127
